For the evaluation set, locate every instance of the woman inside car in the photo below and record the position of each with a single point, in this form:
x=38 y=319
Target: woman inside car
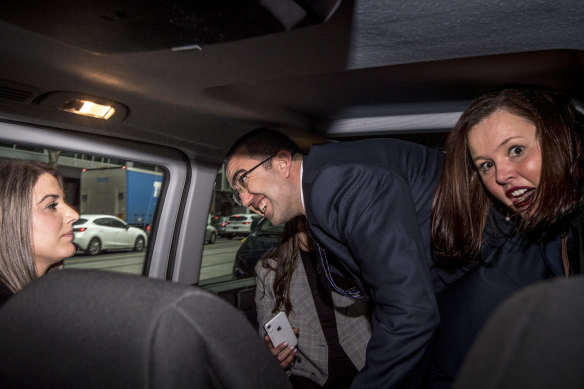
x=332 y=330
x=507 y=210
x=36 y=231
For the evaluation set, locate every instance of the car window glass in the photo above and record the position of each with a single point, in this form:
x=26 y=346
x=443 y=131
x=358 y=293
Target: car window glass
x=242 y=238
x=117 y=223
x=101 y=222
x=268 y=228
x=125 y=191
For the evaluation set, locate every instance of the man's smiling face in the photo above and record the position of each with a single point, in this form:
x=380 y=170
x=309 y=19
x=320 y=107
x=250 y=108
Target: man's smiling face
x=264 y=188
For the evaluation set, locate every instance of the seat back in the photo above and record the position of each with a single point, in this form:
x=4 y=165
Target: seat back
x=535 y=339
x=95 y=329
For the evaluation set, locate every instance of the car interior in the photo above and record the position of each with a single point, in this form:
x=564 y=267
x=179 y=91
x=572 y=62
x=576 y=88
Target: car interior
x=135 y=335
x=177 y=82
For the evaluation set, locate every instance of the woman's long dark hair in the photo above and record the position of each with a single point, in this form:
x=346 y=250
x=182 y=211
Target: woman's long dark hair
x=285 y=256
x=462 y=205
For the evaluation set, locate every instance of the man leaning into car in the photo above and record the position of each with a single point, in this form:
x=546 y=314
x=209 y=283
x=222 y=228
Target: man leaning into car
x=369 y=204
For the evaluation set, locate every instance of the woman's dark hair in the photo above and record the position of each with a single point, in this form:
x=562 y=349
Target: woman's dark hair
x=283 y=260
x=462 y=205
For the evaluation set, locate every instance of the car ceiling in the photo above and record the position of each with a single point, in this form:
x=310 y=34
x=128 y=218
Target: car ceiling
x=196 y=76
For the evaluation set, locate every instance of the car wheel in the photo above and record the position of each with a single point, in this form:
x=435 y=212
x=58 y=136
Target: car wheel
x=212 y=238
x=139 y=245
x=94 y=246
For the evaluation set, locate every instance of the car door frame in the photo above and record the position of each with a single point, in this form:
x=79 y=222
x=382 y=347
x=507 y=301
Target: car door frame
x=172 y=253
x=163 y=248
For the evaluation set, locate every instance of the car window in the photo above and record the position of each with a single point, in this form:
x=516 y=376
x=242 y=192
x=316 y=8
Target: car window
x=117 y=223
x=242 y=238
x=96 y=185
x=101 y=222
x=268 y=228
x=233 y=225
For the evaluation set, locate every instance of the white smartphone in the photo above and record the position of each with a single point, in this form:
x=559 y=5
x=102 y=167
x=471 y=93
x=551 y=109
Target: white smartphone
x=280 y=330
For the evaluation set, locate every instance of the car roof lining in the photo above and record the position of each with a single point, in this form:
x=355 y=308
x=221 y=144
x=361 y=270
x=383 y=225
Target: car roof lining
x=129 y=26
x=352 y=75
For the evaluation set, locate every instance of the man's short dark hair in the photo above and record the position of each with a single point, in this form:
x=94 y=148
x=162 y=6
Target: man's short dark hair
x=261 y=143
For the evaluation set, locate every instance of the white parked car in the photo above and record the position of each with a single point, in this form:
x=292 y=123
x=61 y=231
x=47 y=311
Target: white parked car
x=94 y=233
x=240 y=224
x=210 y=232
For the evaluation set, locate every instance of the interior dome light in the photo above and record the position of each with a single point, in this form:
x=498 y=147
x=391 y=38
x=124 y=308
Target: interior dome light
x=89 y=108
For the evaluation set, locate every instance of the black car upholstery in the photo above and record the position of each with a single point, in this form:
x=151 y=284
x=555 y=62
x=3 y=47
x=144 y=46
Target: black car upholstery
x=95 y=329
x=533 y=340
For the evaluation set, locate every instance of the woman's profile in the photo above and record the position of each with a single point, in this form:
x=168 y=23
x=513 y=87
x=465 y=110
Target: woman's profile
x=36 y=224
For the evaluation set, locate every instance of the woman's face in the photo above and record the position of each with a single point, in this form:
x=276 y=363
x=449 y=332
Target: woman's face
x=506 y=153
x=52 y=224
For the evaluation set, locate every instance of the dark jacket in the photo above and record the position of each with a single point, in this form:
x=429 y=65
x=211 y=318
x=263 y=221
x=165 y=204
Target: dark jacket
x=576 y=243
x=5 y=293
x=369 y=203
x=510 y=261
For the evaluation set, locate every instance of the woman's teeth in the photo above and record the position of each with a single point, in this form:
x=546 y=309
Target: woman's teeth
x=518 y=192
x=522 y=198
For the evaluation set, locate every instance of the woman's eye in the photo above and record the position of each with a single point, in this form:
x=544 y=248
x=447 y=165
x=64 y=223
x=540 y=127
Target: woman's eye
x=485 y=166
x=53 y=206
x=516 y=150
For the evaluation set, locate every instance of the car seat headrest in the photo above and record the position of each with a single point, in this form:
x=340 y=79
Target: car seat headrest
x=97 y=329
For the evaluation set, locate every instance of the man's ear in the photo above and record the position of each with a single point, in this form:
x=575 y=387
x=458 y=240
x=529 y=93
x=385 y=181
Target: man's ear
x=283 y=162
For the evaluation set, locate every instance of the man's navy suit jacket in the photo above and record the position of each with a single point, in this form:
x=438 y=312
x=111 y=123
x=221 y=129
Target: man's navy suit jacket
x=369 y=203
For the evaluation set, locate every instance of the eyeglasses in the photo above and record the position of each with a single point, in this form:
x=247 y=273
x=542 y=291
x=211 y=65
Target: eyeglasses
x=240 y=182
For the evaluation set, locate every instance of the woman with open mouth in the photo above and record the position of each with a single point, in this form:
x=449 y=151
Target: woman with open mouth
x=507 y=211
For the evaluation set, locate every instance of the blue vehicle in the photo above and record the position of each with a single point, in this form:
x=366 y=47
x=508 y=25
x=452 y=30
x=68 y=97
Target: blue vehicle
x=126 y=192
